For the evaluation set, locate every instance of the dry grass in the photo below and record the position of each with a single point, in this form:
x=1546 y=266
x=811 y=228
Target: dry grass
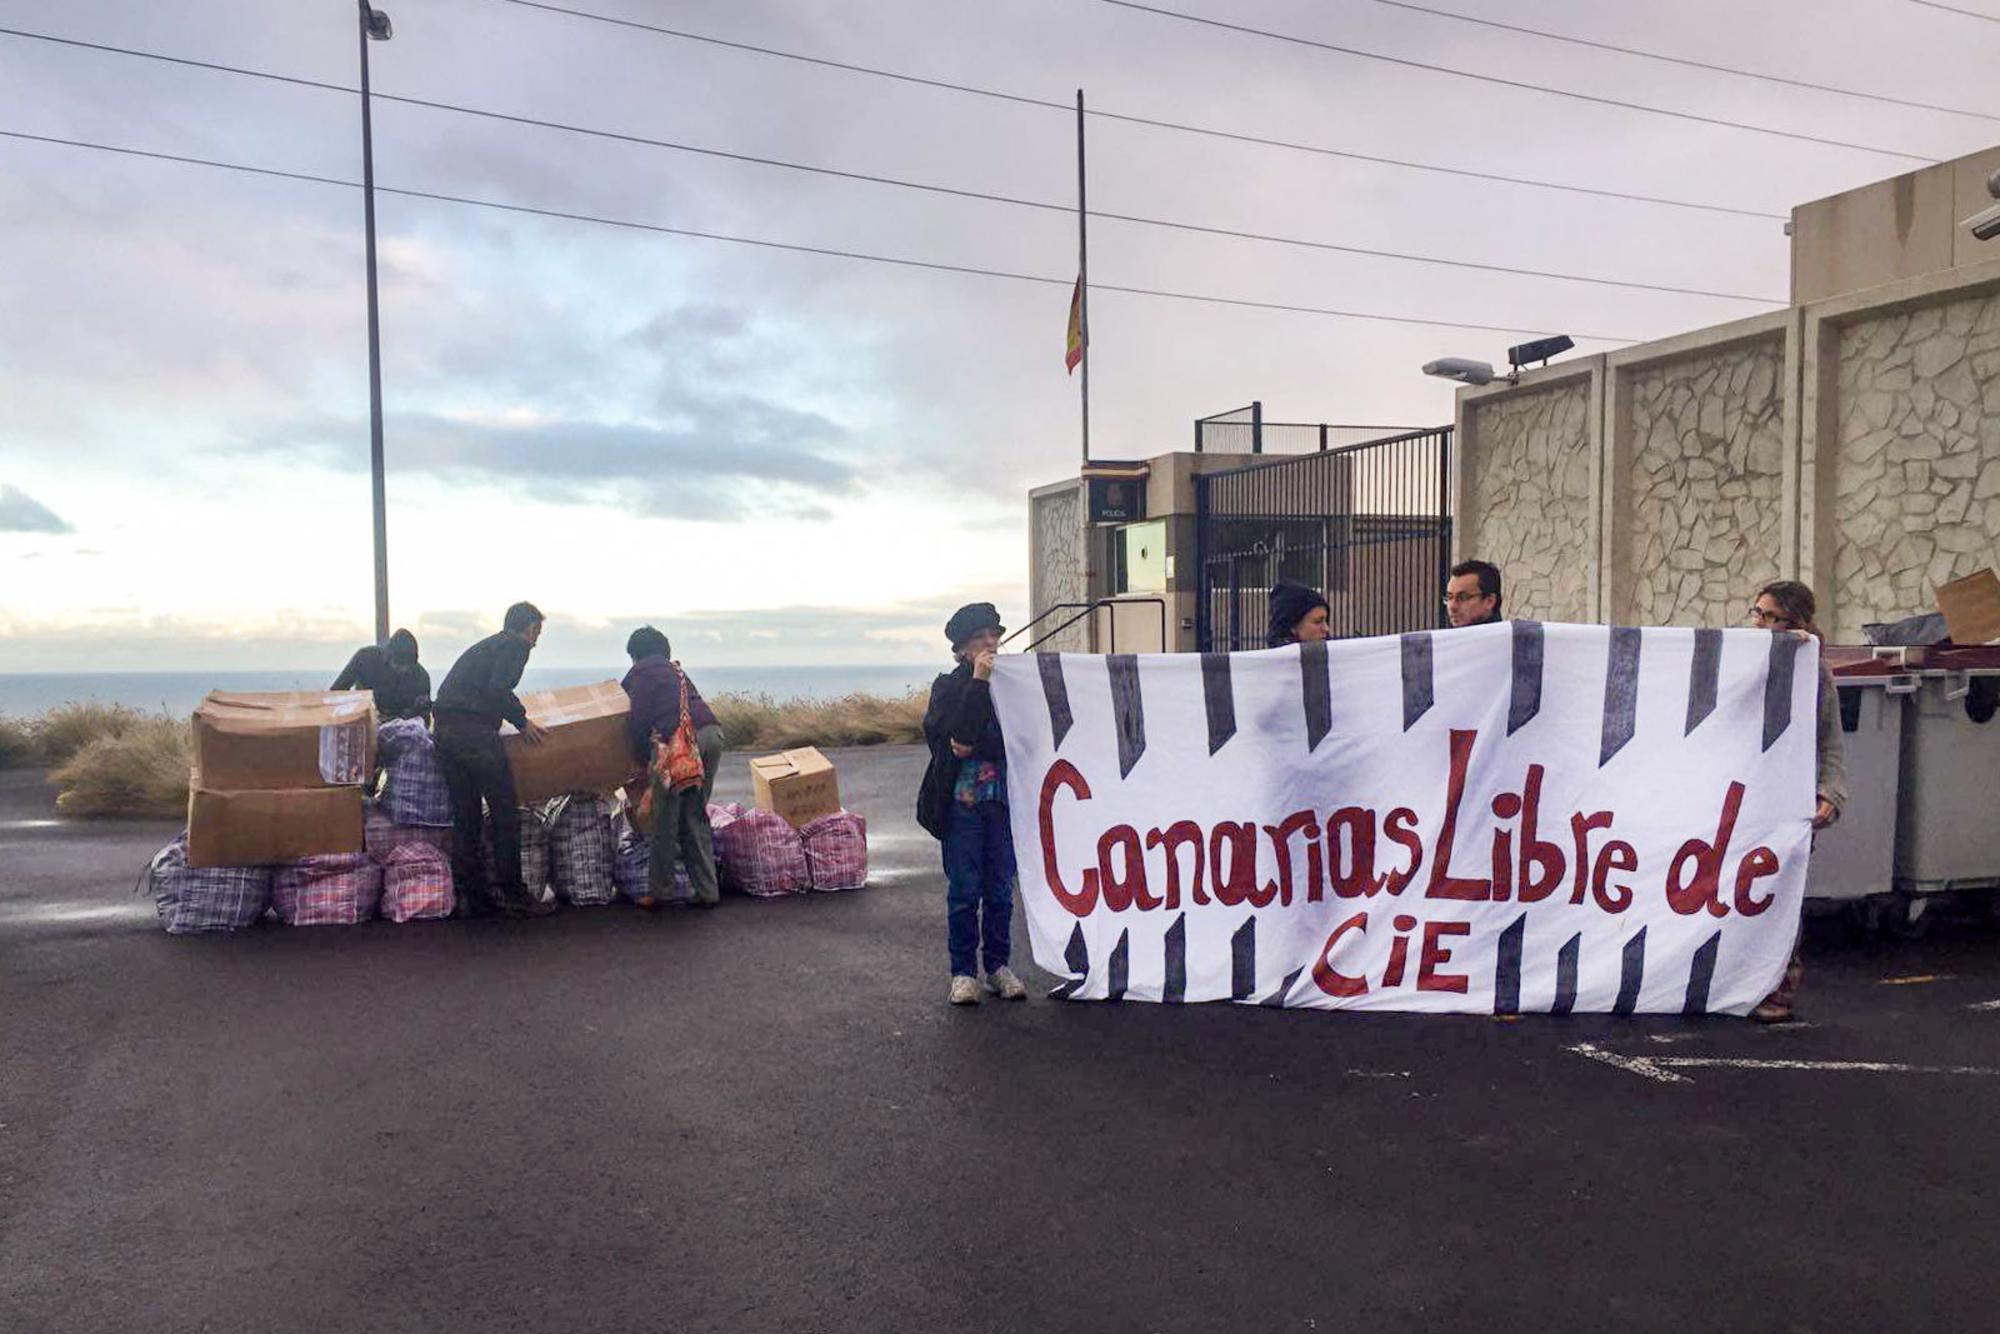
x=17 y=743
x=140 y=769
x=757 y=722
x=63 y=732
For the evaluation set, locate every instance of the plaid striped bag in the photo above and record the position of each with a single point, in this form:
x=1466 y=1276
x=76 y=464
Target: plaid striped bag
x=413 y=787
x=416 y=884
x=383 y=835
x=764 y=854
x=582 y=849
x=341 y=889
x=836 y=851
x=534 y=852
x=222 y=898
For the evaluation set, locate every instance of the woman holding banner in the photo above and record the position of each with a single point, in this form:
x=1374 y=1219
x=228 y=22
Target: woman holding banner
x=1786 y=604
x=1298 y=616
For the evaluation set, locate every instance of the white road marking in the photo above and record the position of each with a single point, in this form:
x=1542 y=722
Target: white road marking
x=1663 y=1068
x=1984 y=1005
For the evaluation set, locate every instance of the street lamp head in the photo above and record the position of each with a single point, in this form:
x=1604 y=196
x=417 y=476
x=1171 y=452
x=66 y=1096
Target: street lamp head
x=375 y=23
x=1462 y=369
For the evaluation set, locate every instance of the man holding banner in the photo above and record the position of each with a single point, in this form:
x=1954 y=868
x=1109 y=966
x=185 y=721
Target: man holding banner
x=1512 y=817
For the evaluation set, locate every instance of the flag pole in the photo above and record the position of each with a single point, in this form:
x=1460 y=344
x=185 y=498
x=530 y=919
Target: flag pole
x=1083 y=273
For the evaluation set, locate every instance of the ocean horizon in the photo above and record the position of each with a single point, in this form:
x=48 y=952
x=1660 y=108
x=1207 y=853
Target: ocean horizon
x=25 y=694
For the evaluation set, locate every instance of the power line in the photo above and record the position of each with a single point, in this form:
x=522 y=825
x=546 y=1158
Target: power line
x=900 y=261
x=1178 y=127
x=1954 y=9
x=1683 y=60
x=1509 y=83
x=1015 y=201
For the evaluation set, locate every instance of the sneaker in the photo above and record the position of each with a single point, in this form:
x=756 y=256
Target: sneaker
x=529 y=908
x=1002 y=983
x=964 y=990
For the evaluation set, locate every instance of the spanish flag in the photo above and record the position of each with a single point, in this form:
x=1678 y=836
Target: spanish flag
x=1077 y=337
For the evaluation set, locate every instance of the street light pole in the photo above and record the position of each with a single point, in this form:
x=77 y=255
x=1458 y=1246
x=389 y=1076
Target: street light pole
x=374 y=28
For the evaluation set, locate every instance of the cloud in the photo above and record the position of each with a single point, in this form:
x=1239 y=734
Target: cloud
x=22 y=513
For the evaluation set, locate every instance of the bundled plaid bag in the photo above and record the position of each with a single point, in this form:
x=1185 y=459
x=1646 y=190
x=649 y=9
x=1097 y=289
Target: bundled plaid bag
x=582 y=849
x=413 y=786
x=223 y=898
x=534 y=852
x=764 y=854
x=383 y=835
x=416 y=883
x=836 y=851
x=341 y=889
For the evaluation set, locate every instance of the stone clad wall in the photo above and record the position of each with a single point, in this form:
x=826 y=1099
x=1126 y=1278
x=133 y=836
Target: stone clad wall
x=1916 y=475
x=1529 y=500
x=1059 y=571
x=1704 y=495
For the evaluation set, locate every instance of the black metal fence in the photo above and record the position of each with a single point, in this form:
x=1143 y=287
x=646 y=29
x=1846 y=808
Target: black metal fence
x=1368 y=524
x=1244 y=431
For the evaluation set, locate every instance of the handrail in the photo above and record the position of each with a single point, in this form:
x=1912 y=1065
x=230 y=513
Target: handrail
x=1083 y=609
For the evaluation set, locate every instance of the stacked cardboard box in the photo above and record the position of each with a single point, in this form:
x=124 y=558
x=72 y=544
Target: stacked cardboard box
x=278 y=776
x=800 y=785
x=586 y=749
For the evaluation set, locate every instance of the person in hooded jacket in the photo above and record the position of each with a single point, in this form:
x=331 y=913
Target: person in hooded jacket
x=1298 y=616
x=681 y=829
x=401 y=686
x=963 y=803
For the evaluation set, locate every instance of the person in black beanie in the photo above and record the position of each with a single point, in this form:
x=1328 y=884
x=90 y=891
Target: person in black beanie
x=1298 y=616
x=963 y=803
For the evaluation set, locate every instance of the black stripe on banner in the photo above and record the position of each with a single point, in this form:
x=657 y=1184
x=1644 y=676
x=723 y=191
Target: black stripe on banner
x=1243 y=960
x=1418 y=689
x=1276 y=1000
x=1121 y=966
x=1175 y=990
x=1621 y=692
x=1057 y=694
x=1220 y=699
x=1507 y=968
x=1526 y=699
x=1631 y=972
x=1703 y=674
x=1128 y=710
x=1317 y=681
x=1076 y=958
x=1565 y=1000
x=1700 y=974
x=1778 y=685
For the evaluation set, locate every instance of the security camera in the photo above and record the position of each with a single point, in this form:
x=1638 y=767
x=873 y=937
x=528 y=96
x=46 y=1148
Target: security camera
x=1985 y=224
x=1462 y=369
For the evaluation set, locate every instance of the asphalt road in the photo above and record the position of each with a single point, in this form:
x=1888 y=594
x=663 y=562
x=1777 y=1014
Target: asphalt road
x=765 y=1118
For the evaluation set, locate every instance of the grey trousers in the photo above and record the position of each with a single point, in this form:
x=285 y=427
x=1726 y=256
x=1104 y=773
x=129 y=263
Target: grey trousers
x=681 y=830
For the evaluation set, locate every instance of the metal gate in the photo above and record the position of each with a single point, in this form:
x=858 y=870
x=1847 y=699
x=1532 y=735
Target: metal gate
x=1368 y=525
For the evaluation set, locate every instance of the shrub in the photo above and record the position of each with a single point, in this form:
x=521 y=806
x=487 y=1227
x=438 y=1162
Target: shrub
x=64 y=731
x=141 y=770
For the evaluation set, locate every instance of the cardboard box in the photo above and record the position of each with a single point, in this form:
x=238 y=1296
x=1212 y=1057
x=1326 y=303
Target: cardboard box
x=800 y=785
x=285 y=740
x=588 y=748
x=1971 y=608
x=269 y=827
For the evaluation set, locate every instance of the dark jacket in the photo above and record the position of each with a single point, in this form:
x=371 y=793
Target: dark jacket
x=401 y=689
x=480 y=685
x=961 y=710
x=655 y=687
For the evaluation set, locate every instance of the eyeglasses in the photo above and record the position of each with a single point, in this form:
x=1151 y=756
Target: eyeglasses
x=1462 y=598
x=1762 y=617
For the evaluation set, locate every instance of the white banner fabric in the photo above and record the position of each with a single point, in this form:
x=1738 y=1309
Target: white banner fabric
x=1506 y=818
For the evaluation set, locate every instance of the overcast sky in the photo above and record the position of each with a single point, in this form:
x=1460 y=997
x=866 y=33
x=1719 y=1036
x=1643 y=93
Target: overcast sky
x=788 y=458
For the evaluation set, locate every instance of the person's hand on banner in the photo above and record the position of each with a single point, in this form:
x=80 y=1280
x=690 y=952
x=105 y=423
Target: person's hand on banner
x=960 y=750
x=1824 y=814
x=982 y=666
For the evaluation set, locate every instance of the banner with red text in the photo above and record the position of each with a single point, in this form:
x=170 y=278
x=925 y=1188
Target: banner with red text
x=1505 y=818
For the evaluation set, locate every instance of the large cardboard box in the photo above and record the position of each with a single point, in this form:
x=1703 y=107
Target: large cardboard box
x=800 y=785
x=284 y=740
x=1971 y=608
x=270 y=827
x=586 y=750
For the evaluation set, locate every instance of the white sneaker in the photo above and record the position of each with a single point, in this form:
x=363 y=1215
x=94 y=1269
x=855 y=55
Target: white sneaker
x=1002 y=983
x=964 y=990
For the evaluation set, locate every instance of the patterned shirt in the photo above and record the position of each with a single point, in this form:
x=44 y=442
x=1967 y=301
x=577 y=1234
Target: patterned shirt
x=978 y=780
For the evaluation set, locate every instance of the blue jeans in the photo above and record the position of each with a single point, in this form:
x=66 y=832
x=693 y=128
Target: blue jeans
x=979 y=880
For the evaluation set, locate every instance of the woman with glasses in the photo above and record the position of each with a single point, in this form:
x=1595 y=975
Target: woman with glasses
x=1788 y=605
